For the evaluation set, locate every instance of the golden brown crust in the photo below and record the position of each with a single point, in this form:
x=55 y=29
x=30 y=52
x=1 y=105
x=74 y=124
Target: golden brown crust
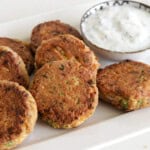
x=50 y=29
x=65 y=47
x=65 y=92
x=12 y=67
x=18 y=113
x=21 y=49
x=125 y=85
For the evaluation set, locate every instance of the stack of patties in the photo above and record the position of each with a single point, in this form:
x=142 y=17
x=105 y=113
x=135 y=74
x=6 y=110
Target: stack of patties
x=64 y=85
x=18 y=110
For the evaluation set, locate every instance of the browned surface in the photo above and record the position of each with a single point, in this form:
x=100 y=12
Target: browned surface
x=50 y=29
x=65 y=92
x=125 y=85
x=12 y=67
x=16 y=116
x=65 y=47
x=12 y=111
x=21 y=49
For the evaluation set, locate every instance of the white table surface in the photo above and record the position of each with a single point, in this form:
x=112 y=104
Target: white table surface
x=16 y=9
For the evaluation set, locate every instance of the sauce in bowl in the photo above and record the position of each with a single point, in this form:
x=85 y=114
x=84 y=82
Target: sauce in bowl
x=119 y=28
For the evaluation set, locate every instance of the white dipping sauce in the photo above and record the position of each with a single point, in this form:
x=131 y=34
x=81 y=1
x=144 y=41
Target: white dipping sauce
x=119 y=28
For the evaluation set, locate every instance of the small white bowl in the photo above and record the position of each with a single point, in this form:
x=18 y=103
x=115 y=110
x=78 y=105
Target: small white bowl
x=114 y=55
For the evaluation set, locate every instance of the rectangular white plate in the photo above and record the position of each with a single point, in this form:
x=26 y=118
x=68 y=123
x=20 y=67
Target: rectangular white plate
x=106 y=127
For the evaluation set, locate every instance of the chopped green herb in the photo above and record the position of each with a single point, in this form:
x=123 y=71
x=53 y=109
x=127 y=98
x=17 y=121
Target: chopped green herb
x=124 y=103
x=139 y=103
x=61 y=94
x=49 y=122
x=9 y=144
x=45 y=76
x=61 y=67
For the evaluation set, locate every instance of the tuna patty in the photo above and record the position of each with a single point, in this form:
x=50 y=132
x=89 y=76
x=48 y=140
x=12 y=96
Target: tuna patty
x=125 y=85
x=65 y=92
x=21 y=49
x=64 y=47
x=18 y=114
x=12 y=67
x=47 y=30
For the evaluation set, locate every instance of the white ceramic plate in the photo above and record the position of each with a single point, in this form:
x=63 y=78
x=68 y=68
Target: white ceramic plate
x=106 y=127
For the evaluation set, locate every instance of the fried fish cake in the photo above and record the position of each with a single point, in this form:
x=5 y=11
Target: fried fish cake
x=65 y=92
x=12 y=67
x=21 y=49
x=18 y=114
x=65 y=47
x=125 y=85
x=50 y=29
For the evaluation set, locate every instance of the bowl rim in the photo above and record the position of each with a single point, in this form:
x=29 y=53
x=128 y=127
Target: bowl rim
x=104 y=49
